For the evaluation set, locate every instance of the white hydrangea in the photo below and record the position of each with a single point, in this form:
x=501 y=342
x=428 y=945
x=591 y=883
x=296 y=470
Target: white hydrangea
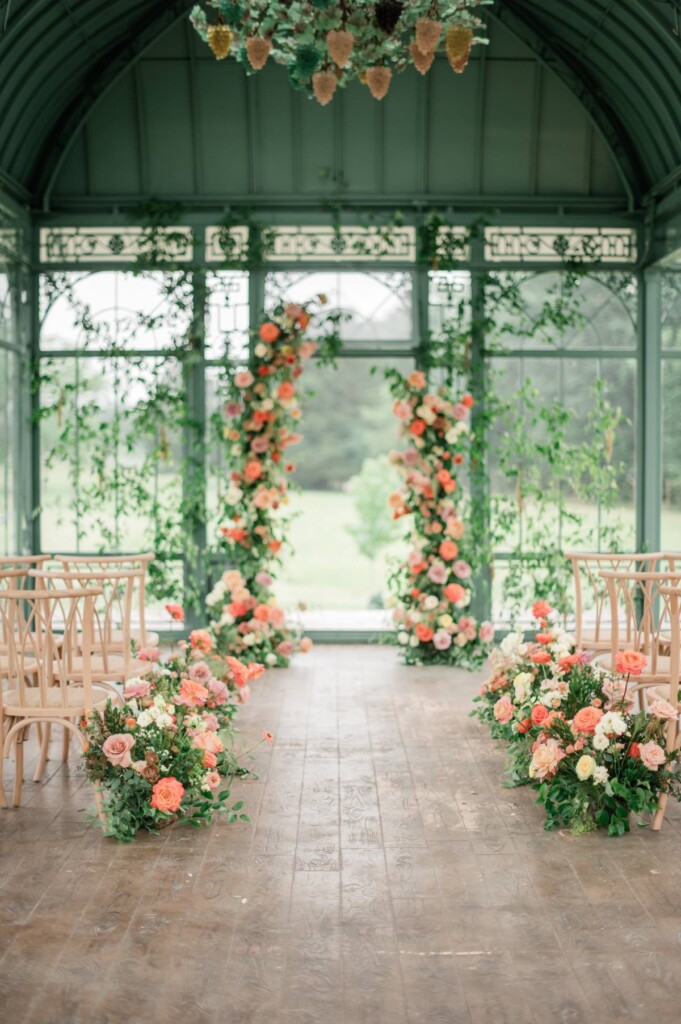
x=513 y=645
x=600 y=741
x=144 y=720
x=612 y=723
x=600 y=775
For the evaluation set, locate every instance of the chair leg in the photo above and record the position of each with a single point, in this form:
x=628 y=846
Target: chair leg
x=65 y=746
x=19 y=763
x=44 y=732
x=3 y=797
x=658 y=817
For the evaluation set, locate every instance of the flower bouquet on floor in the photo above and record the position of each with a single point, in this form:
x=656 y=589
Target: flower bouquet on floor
x=432 y=591
x=167 y=753
x=573 y=732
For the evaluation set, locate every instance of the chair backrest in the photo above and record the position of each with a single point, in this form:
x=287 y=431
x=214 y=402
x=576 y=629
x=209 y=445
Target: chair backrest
x=41 y=627
x=647 y=616
x=137 y=563
x=671 y=595
x=112 y=612
x=593 y=610
x=18 y=567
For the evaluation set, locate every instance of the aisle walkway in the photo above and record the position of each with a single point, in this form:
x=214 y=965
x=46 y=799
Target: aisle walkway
x=387 y=878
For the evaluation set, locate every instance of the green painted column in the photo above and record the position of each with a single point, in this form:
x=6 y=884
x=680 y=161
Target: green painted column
x=479 y=470
x=649 y=409
x=194 y=452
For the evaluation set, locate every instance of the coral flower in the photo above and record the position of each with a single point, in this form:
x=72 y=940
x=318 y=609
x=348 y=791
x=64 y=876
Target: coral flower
x=416 y=379
x=468 y=401
x=267 y=736
x=630 y=663
x=424 y=632
x=285 y=391
x=253 y=471
x=454 y=592
x=417 y=427
x=448 y=549
x=586 y=720
x=261 y=613
x=175 y=612
x=269 y=332
x=244 y=379
x=540 y=657
x=201 y=640
x=167 y=795
x=192 y=694
x=541 y=609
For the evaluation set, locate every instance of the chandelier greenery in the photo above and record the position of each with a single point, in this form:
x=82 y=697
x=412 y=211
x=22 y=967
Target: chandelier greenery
x=326 y=43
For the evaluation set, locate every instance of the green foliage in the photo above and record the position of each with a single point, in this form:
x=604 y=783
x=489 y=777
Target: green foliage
x=374 y=528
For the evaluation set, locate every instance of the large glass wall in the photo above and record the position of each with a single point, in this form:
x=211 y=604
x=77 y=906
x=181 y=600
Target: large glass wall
x=118 y=345
x=670 y=336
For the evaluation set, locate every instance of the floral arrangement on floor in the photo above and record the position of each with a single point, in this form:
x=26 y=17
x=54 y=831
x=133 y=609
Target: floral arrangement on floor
x=327 y=43
x=262 y=419
x=432 y=590
x=573 y=730
x=167 y=754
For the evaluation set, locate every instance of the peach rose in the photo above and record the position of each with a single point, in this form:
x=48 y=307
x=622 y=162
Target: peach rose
x=201 y=640
x=208 y=741
x=661 y=708
x=212 y=780
x=546 y=759
x=167 y=794
x=652 y=755
x=305 y=644
x=244 y=379
x=503 y=710
x=116 y=749
x=269 y=332
x=630 y=663
x=586 y=720
x=454 y=592
x=416 y=379
x=192 y=694
x=448 y=549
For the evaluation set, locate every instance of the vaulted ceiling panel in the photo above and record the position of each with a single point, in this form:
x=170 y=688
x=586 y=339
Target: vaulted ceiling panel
x=198 y=128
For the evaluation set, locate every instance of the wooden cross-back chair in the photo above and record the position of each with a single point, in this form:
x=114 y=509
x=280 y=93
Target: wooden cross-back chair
x=42 y=688
x=136 y=563
x=647 y=621
x=671 y=596
x=18 y=568
x=593 y=610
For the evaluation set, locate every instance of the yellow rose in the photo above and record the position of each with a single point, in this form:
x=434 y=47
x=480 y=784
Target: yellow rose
x=445 y=620
x=585 y=767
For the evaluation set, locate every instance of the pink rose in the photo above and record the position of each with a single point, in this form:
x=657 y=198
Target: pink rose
x=402 y=410
x=503 y=710
x=260 y=444
x=243 y=379
x=486 y=632
x=663 y=709
x=263 y=579
x=652 y=755
x=149 y=654
x=410 y=457
x=277 y=616
x=461 y=569
x=233 y=408
x=437 y=573
x=137 y=688
x=116 y=749
x=285 y=649
x=442 y=640
x=460 y=412
x=212 y=780
x=244 y=694
x=210 y=721
x=199 y=672
x=307 y=349
x=219 y=692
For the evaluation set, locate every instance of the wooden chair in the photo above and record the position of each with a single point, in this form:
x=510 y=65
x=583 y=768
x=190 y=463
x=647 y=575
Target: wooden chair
x=137 y=563
x=638 y=596
x=42 y=689
x=19 y=566
x=671 y=596
x=593 y=611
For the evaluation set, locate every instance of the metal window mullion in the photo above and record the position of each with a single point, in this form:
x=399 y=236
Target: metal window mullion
x=649 y=419
x=34 y=447
x=194 y=479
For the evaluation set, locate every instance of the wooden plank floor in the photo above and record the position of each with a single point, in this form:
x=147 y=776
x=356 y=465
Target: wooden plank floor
x=387 y=877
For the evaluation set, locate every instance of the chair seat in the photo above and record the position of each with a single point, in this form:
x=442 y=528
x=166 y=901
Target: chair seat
x=150 y=639
x=113 y=670
x=53 y=701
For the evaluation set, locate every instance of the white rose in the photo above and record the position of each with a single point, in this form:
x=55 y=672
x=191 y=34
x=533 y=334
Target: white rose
x=584 y=768
x=414 y=641
x=144 y=719
x=600 y=774
x=271 y=659
x=430 y=602
x=612 y=722
x=260 y=350
x=600 y=741
x=249 y=639
x=403 y=638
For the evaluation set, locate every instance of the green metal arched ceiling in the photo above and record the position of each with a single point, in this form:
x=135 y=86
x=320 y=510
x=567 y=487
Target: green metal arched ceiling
x=620 y=58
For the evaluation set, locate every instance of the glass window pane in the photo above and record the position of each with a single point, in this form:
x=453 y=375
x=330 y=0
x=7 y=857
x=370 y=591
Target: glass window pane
x=671 y=311
x=378 y=304
x=227 y=315
x=115 y=309
x=9 y=463
x=671 y=455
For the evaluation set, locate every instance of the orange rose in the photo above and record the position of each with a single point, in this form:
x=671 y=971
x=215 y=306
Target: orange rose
x=424 y=633
x=525 y=725
x=630 y=663
x=586 y=720
x=544 y=638
x=261 y=613
x=285 y=391
x=540 y=657
x=417 y=427
x=454 y=592
x=468 y=401
x=167 y=795
x=175 y=612
x=448 y=550
x=269 y=332
x=540 y=609
x=192 y=693
x=252 y=471
x=539 y=714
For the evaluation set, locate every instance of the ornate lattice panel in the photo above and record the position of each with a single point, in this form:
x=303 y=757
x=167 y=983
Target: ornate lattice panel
x=345 y=244
x=226 y=245
x=556 y=245
x=115 y=245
